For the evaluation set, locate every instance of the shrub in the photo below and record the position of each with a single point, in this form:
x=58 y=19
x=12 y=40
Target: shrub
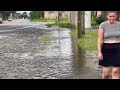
x=93 y=22
x=61 y=24
x=99 y=19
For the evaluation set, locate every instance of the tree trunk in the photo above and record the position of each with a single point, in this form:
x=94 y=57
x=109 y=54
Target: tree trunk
x=82 y=22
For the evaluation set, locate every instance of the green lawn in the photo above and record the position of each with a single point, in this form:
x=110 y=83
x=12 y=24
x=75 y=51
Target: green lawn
x=89 y=40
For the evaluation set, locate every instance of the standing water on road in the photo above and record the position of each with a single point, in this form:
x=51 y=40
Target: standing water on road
x=33 y=53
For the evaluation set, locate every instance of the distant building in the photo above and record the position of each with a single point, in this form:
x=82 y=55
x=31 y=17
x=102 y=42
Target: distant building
x=54 y=14
x=50 y=14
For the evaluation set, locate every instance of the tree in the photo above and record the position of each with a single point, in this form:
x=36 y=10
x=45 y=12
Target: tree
x=25 y=13
x=6 y=14
x=36 y=14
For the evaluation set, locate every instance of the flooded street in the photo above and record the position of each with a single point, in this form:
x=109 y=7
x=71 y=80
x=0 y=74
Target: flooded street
x=34 y=53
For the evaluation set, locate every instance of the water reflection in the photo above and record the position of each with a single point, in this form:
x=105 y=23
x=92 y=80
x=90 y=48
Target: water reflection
x=84 y=66
x=79 y=56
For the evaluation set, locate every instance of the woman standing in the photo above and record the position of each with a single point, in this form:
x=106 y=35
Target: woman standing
x=109 y=46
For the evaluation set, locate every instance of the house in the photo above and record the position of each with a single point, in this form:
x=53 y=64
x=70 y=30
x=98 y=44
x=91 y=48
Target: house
x=50 y=14
x=54 y=14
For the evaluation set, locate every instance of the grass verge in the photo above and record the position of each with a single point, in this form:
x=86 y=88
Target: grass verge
x=87 y=41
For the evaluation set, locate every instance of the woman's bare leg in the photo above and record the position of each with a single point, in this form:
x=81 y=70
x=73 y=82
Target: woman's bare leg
x=106 y=72
x=115 y=72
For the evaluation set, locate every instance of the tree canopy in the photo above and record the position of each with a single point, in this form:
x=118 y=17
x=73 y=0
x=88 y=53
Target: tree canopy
x=36 y=14
x=6 y=14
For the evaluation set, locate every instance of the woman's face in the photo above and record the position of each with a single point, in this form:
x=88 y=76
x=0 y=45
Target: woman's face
x=111 y=17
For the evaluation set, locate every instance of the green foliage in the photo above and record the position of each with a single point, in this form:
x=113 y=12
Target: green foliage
x=88 y=41
x=44 y=20
x=96 y=20
x=99 y=19
x=64 y=23
x=61 y=24
x=6 y=14
x=93 y=22
x=36 y=14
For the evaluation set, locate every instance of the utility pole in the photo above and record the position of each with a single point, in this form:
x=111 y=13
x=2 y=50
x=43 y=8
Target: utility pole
x=83 y=22
x=59 y=16
x=78 y=25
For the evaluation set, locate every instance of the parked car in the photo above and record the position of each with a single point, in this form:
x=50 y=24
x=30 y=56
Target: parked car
x=1 y=20
x=10 y=19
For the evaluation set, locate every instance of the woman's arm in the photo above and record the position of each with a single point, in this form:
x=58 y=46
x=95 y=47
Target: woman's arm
x=100 y=39
x=100 y=42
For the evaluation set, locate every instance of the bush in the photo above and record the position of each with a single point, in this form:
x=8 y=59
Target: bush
x=43 y=20
x=61 y=24
x=65 y=25
x=93 y=22
x=99 y=19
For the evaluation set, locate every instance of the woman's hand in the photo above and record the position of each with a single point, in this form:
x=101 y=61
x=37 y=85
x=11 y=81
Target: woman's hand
x=100 y=56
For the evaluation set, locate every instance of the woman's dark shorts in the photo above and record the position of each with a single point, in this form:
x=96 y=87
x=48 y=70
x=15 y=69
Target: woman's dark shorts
x=111 y=55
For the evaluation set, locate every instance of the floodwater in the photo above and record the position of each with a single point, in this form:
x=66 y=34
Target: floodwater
x=30 y=54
